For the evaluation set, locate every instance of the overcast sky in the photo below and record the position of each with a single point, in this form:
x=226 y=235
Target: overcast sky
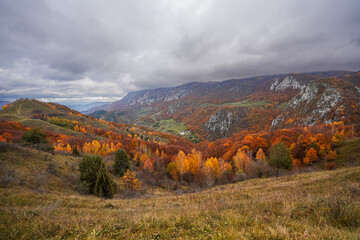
x=87 y=50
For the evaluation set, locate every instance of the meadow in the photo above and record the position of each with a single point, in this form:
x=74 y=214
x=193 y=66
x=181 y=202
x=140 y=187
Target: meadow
x=317 y=205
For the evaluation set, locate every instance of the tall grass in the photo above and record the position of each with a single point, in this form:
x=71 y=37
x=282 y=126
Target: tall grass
x=322 y=205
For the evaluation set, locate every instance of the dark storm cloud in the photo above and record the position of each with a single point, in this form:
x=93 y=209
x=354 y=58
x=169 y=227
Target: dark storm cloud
x=93 y=50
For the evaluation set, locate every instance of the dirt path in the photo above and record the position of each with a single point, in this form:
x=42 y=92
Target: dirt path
x=18 y=111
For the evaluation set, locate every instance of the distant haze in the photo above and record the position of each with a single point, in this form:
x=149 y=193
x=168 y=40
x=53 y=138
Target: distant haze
x=98 y=51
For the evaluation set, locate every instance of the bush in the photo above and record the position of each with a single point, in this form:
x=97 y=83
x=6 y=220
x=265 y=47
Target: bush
x=34 y=136
x=172 y=171
x=240 y=176
x=122 y=163
x=82 y=188
x=51 y=168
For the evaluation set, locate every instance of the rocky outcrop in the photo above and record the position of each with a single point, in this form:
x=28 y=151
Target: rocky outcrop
x=289 y=82
x=320 y=101
x=220 y=122
x=226 y=121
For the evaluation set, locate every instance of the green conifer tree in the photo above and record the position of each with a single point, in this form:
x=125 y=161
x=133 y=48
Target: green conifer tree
x=104 y=186
x=122 y=163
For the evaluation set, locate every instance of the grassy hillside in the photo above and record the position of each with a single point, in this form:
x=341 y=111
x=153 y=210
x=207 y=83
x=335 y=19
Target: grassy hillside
x=39 y=202
x=33 y=113
x=349 y=153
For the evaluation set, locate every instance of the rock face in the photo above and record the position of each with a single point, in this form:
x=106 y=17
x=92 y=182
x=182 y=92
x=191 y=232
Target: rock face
x=289 y=82
x=225 y=121
x=320 y=101
x=148 y=97
x=220 y=122
x=158 y=95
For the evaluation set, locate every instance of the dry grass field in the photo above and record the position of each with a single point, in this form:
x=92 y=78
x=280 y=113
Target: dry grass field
x=40 y=203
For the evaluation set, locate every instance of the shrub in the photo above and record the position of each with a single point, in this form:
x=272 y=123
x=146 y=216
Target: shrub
x=172 y=171
x=330 y=166
x=34 y=136
x=240 y=176
x=51 y=168
x=122 y=163
x=82 y=188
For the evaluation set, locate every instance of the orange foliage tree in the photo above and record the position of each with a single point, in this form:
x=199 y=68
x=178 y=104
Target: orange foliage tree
x=258 y=143
x=260 y=155
x=130 y=183
x=194 y=162
x=311 y=156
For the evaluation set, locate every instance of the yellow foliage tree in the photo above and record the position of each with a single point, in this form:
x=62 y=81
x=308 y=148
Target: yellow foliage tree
x=194 y=162
x=68 y=148
x=181 y=164
x=241 y=161
x=130 y=183
x=331 y=155
x=212 y=165
x=260 y=155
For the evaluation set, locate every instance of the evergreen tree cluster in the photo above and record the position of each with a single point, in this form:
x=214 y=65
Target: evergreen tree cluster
x=95 y=176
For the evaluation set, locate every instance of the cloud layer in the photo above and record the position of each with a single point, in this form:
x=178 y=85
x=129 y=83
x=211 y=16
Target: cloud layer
x=91 y=50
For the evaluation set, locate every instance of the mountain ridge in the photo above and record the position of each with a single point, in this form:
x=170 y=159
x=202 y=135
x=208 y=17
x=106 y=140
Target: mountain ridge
x=217 y=109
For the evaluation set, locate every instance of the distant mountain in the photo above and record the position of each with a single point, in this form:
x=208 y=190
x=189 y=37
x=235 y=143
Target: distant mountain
x=83 y=108
x=3 y=103
x=219 y=109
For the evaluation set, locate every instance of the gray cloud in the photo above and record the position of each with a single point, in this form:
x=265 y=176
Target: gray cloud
x=88 y=49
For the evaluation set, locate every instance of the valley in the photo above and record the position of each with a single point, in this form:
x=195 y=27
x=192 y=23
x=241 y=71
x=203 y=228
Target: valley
x=180 y=120
x=220 y=109
x=275 y=160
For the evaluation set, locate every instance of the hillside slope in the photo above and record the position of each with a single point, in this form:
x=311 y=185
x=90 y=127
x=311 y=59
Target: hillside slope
x=220 y=109
x=323 y=100
x=43 y=205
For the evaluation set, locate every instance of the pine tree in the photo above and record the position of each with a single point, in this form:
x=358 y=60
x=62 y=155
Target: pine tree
x=122 y=162
x=75 y=151
x=104 y=186
x=89 y=168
